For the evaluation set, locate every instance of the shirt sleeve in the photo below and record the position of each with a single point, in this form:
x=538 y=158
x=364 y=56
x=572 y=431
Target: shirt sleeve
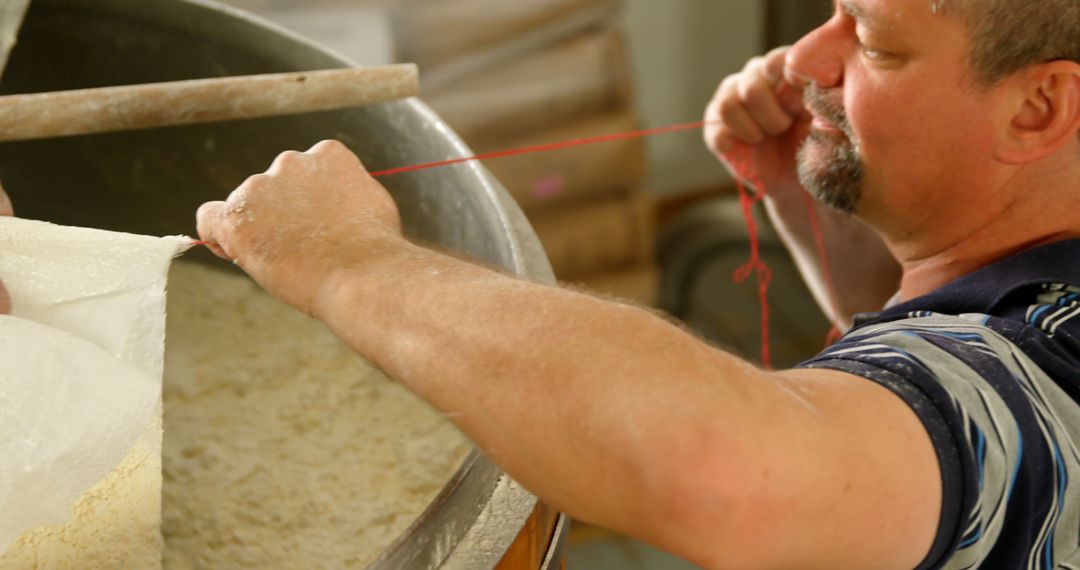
x=1002 y=431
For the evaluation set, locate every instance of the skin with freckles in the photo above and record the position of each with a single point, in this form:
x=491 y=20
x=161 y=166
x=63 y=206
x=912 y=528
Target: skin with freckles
x=619 y=418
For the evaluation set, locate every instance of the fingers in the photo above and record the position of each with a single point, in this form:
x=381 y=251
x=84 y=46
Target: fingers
x=263 y=209
x=774 y=64
x=754 y=105
x=736 y=115
x=758 y=97
x=284 y=160
x=791 y=99
x=216 y=222
x=331 y=147
x=727 y=121
x=336 y=151
x=791 y=76
x=210 y=222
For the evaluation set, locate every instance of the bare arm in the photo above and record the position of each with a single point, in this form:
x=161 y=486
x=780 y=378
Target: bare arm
x=761 y=107
x=602 y=409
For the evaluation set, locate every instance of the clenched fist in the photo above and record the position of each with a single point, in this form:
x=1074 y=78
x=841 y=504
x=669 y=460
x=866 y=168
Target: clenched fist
x=762 y=108
x=311 y=214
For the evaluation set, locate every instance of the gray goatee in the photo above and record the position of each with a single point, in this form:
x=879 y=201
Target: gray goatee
x=838 y=182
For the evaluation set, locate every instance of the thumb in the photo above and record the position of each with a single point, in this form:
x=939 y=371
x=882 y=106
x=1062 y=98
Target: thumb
x=791 y=98
x=209 y=222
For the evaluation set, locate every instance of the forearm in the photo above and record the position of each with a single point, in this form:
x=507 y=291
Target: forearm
x=861 y=270
x=596 y=407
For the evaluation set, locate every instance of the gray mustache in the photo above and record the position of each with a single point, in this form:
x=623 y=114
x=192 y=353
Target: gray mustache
x=823 y=106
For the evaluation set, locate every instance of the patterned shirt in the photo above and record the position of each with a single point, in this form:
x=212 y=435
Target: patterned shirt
x=990 y=363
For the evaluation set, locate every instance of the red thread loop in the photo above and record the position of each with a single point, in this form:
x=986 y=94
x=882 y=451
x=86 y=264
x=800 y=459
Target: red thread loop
x=826 y=275
x=741 y=161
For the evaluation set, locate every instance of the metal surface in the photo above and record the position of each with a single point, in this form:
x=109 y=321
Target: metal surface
x=554 y=555
x=151 y=182
x=11 y=17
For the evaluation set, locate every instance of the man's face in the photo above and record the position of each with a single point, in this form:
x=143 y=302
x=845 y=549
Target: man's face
x=899 y=133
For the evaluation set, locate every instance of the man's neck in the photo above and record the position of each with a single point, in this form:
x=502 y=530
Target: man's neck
x=1032 y=211
x=923 y=276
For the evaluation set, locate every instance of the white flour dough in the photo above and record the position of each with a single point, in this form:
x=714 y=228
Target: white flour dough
x=283 y=449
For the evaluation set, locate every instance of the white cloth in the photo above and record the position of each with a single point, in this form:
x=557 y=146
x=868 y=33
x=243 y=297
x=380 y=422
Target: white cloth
x=81 y=360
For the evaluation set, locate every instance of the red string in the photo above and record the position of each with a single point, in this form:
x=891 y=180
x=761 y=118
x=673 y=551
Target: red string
x=741 y=161
x=823 y=260
x=819 y=241
x=544 y=147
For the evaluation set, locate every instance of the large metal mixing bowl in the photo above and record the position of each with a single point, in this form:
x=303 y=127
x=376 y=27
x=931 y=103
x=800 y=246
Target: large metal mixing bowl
x=151 y=182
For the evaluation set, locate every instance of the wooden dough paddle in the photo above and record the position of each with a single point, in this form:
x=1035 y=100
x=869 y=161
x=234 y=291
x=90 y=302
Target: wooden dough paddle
x=105 y=109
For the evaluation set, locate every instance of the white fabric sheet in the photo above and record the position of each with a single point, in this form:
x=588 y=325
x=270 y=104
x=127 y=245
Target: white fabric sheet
x=81 y=359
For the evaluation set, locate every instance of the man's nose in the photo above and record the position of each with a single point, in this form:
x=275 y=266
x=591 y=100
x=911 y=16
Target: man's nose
x=818 y=57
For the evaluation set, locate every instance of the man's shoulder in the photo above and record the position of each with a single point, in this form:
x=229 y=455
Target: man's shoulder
x=1030 y=298
x=1001 y=423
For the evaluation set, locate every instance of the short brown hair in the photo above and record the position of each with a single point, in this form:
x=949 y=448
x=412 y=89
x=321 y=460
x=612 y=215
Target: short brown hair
x=1009 y=35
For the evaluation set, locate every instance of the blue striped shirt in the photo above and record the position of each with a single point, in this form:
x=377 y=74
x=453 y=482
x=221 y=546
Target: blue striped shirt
x=990 y=363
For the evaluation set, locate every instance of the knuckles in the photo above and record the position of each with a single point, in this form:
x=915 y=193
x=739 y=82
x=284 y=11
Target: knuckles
x=730 y=107
x=754 y=96
x=252 y=182
x=328 y=145
x=287 y=160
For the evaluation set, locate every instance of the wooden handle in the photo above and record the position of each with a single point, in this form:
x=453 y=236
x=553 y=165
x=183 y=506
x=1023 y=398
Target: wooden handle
x=127 y=107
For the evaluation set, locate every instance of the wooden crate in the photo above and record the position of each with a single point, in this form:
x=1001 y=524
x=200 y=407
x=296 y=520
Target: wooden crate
x=597 y=235
x=585 y=75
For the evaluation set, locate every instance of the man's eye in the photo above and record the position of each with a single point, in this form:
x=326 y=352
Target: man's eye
x=872 y=53
x=868 y=51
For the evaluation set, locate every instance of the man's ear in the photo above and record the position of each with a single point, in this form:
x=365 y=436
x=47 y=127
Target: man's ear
x=1046 y=112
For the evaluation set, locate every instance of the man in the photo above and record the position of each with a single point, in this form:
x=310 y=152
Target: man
x=958 y=451
x=950 y=128
x=964 y=166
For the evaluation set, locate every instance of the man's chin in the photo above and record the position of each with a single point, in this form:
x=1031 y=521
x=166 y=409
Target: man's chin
x=831 y=172
x=816 y=152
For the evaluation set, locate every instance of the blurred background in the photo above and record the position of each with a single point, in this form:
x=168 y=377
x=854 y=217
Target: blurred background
x=654 y=220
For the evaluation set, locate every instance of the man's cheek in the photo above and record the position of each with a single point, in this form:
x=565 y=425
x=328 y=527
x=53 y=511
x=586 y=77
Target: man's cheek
x=885 y=126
